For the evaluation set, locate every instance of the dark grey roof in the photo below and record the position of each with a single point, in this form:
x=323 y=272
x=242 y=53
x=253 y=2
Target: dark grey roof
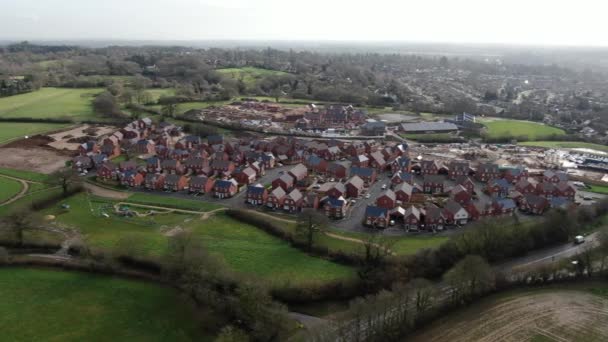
x=428 y=126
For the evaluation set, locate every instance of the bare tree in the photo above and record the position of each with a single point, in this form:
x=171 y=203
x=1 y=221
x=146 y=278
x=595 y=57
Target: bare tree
x=309 y=223
x=17 y=222
x=65 y=178
x=470 y=276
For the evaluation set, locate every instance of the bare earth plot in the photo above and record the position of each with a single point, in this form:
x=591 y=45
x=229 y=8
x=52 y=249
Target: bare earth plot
x=70 y=139
x=556 y=315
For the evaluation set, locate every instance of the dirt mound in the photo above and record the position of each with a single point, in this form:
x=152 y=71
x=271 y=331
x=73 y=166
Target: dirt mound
x=80 y=140
x=31 y=142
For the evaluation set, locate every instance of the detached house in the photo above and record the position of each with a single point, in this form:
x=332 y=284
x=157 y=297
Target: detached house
x=387 y=199
x=515 y=174
x=554 y=176
x=486 y=172
x=433 y=219
x=412 y=218
x=256 y=194
x=337 y=190
x=458 y=169
x=335 y=208
x=377 y=160
x=460 y=194
x=429 y=167
x=316 y=164
x=565 y=189
x=246 y=176
x=433 y=184
x=354 y=187
x=498 y=187
x=467 y=183
x=401 y=164
x=107 y=171
x=225 y=188
x=402 y=177
x=455 y=213
x=201 y=184
x=298 y=172
x=338 y=170
x=525 y=186
x=276 y=198
x=534 y=204
x=360 y=161
x=285 y=182
x=155 y=181
x=176 y=182
x=367 y=174
x=403 y=192
x=376 y=217
x=293 y=201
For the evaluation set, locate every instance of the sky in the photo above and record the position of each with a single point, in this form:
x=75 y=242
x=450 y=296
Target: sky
x=544 y=22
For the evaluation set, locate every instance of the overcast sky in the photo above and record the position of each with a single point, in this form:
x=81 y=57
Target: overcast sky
x=552 y=22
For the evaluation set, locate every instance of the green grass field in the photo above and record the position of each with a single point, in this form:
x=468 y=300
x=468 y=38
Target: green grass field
x=249 y=75
x=252 y=251
x=521 y=130
x=14 y=130
x=599 y=189
x=172 y=202
x=46 y=305
x=50 y=103
x=566 y=145
x=9 y=188
x=26 y=175
x=245 y=248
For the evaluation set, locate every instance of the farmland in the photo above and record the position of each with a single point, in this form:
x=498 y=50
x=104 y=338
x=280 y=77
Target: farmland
x=577 y=314
x=13 y=130
x=9 y=188
x=250 y=75
x=44 y=305
x=520 y=130
x=566 y=145
x=50 y=103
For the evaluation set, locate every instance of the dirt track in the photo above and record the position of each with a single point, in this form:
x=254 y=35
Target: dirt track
x=559 y=315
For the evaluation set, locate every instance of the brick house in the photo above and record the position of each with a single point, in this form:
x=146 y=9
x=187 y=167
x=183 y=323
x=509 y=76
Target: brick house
x=246 y=176
x=355 y=148
x=298 y=172
x=433 y=218
x=454 y=213
x=144 y=146
x=457 y=169
x=256 y=194
x=546 y=189
x=387 y=199
x=110 y=150
x=107 y=171
x=429 y=167
x=402 y=177
x=534 y=204
x=376 y=217
x=401 y=164
x=403 y=192
x=293 y=201
x=172 y=166
x=412 y=218
x=377 y=160
x=502 y=206
x=89 y=147
x=498 y=187
x=276 y=198
x=360 y=161
x=335 y=208
x=222 y=167
x=366 y=173
x=176 y=182
x=153 y=164
x=554 y=176
x=82 y=163
x=514 y=174
x=127 y=165
x=565 y=189
x=460 y=194
x=225 y=188
x=201 y=184
x=155 y=181
x=316 y=164
x=338 y=170
x=284 y=181
x=486 y=172
x=526 y=186
x=268 y=160
x=196 y=165
x=131 y=178
x=433 y=184
x=338 y=190
x=354 y=187
x=466 y=182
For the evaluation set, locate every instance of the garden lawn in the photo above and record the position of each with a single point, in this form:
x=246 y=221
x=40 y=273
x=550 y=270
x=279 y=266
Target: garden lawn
x=249 y=75
x=172 y=202
x=14 y=130
x=520 y=130
x=46 y=305
x=249 y=250
x=50 y=103
x=566 y=145
x=9 y=188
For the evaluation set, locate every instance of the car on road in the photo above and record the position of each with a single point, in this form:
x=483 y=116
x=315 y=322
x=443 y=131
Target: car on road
x=587 y=198
x=383 y=186
x=579 y=239
x=367 y=196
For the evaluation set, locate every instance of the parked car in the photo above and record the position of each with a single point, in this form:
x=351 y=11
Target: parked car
x=367 y=196
x=383 y=186
x=579 y=239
